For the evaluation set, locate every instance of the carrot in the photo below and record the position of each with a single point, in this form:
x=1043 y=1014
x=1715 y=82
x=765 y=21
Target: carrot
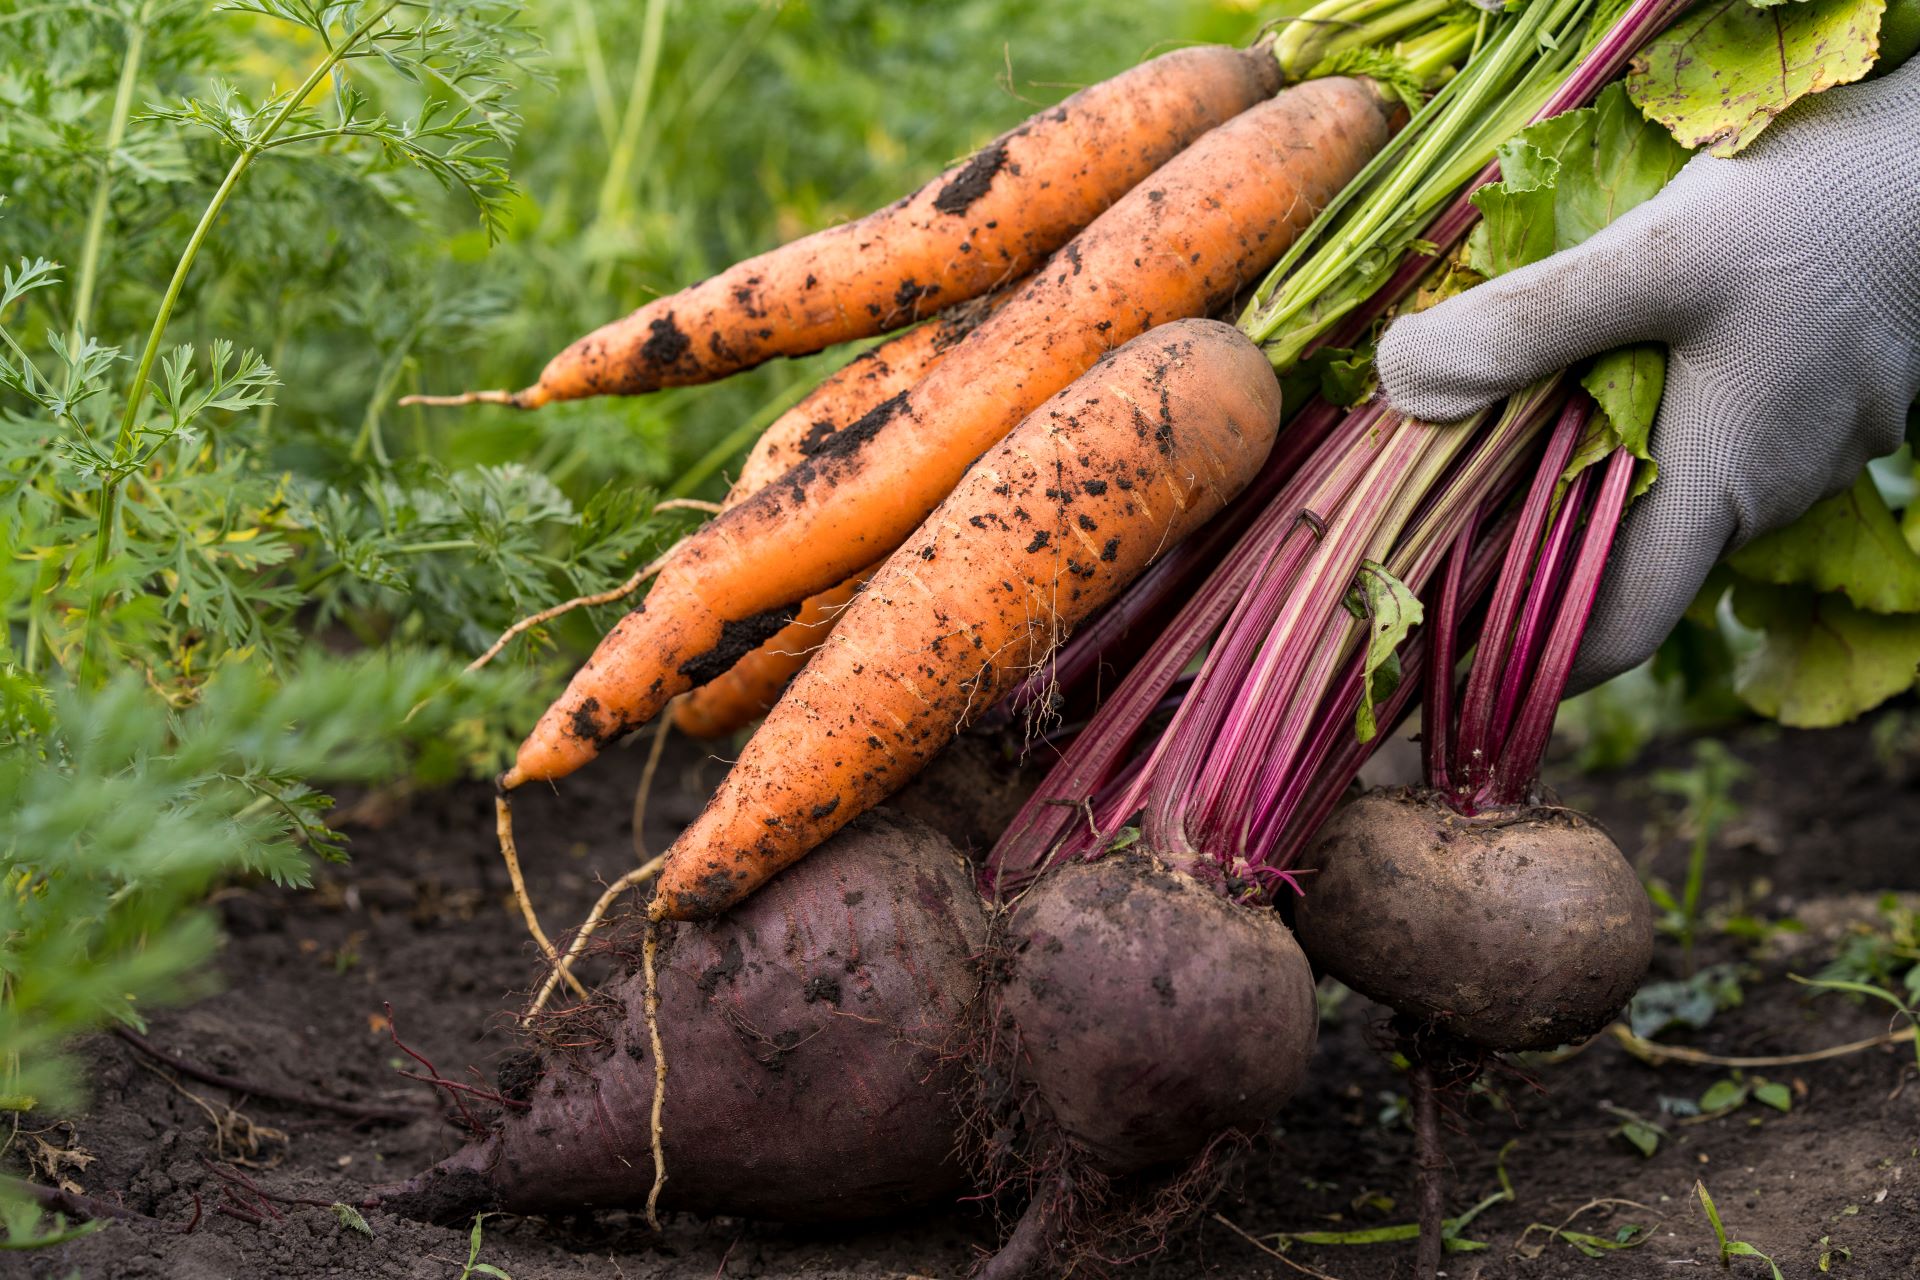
x=742 y=694
x=856 y=389
x=1051 y=523
x=983 y=222
x=738 y=697
x=1182 y=244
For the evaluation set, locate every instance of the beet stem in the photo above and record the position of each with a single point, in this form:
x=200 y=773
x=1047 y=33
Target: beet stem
x=1526 y=747
x=1473 y=743
x=1436 y=729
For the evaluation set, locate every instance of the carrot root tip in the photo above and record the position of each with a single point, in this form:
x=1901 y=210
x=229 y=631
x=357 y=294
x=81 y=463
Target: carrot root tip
x=527 y=399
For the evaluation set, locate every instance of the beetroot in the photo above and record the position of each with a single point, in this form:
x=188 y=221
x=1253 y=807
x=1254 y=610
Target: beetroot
x=1143 y=1020
x=803 y=1036
x=1152 y=1012
x=1518 y=928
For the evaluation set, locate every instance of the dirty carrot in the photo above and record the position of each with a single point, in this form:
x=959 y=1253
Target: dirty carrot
x=741 y=695
x=1051 y=523
x=979 y=225
x=857 y=388
x=1182 y=244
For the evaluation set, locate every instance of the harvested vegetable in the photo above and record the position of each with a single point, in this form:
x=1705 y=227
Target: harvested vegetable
x=1517 y=928
x=802 y=1039
x=986 y=221
x=1509 y=924
x=858 y=388
x=1144 y=1017
x=746 y=691
x=866 y=385
x=1181 y=245
x=1049 y=525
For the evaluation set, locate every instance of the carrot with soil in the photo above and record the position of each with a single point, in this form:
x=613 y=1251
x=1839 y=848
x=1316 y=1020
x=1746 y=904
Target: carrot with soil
x=981 y=224
x=1181 y=245
x=740 y=695
x=856 y=389
x=1049 y=525
x=747 y=690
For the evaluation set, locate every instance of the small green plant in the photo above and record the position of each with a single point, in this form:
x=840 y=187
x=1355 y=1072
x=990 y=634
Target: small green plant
x=1642 y=1134
x=1730 y=1248
x=1690 y=1002
x=1628 y=1235
x=1724 y=1097
x=1884 y=956
x=1452 y=1230
x=475 y=1267
x=1880 y=964
x=1904 y=1006
x=1705 y=790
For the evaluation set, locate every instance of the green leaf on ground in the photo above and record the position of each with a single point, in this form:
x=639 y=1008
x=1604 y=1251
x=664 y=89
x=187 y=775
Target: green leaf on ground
x=1850 y=543
x=1820 y=661
x=350 y=1218
x=1392 y=612
x=1725 y=70
x=1723 y=1095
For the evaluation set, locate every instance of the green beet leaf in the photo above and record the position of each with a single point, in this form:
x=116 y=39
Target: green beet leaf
x=1721 y=74
x=1392 y=612
x=1820 y=661
x=1623 y=159
x=1565 y=179
x=1849 y=543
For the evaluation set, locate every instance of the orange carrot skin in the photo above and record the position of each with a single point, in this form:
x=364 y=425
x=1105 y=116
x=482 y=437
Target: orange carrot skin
x=1050 y=524
x=976 y=227
x=749 y=689
x=739 y=696
x=855 y=390
x=1182 y=244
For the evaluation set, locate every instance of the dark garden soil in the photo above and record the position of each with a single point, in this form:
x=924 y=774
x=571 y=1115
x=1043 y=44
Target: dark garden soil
x=422 y=919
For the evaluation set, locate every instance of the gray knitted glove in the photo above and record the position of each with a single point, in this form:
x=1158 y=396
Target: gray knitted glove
x=1786 y=284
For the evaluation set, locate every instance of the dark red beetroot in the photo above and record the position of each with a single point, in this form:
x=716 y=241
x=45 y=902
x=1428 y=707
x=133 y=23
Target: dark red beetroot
x=803 y=1036
x=1143 y=1018
x=1520 y=928
x=1152 y=1012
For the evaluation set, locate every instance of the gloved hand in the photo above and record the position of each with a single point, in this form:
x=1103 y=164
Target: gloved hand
x=1785 y=282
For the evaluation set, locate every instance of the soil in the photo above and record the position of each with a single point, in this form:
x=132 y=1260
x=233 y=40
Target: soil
x=422 y=919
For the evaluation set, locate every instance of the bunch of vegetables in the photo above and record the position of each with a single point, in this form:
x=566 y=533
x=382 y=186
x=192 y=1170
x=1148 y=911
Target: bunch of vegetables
x=926 y=528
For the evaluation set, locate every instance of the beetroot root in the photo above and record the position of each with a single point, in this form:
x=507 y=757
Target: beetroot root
x=1152 y=1013
x=1517 y=929
x=803 y=1037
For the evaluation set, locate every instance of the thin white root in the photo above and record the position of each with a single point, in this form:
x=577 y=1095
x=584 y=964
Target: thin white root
x=644 y=791
x=625 y=589
x=1654 y=1054
x=659 y=1076
x=503 y=827
x=510 y=398
x=638 y=876
x=689 y=504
